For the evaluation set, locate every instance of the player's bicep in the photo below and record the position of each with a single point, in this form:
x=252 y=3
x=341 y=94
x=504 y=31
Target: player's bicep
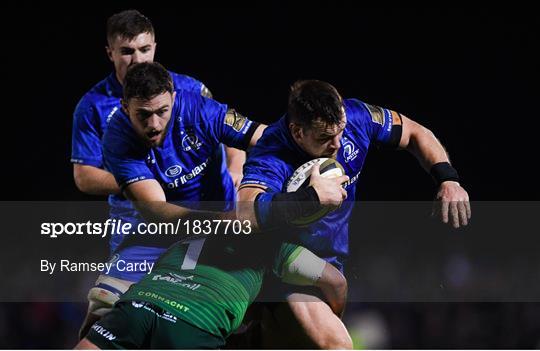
x=409 y=129
x=127 y=167
x=257 y=133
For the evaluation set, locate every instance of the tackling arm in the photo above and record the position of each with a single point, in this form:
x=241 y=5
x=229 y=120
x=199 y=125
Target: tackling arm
x=149 y=199
x=422 y=143
x=454 y=203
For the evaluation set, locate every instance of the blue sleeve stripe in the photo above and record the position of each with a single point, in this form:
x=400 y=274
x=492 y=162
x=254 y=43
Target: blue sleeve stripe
x=86 y=162
x=109 y=288
x=135 y=180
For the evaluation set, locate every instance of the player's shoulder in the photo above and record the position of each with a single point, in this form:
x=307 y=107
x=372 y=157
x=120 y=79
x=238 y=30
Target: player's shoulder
x=360 y=114
x=98 y=94
x=193 y=107
x=354 y=108
x=270 y=169
x=274 y=146
x=185 y=82
x=275 y=137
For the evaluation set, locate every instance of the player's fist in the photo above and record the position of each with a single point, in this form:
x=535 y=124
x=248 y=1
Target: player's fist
x=329 y=190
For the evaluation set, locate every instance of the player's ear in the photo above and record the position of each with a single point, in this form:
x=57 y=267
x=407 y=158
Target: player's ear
x=108 y=50
x=296 y=130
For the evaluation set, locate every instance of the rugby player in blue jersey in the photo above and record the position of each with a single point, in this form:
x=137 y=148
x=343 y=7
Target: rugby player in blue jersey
x=144 y=148
x=130 y=38
x=319 y=123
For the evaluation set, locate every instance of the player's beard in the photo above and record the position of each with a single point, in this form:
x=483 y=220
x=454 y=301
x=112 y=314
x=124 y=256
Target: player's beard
x=154 y=140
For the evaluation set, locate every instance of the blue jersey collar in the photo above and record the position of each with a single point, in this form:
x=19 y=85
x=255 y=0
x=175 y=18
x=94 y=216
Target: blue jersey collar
x=114 y=88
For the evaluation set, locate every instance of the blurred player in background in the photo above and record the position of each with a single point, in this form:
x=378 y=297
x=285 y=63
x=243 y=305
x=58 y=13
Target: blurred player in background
x=319 y=123
x=131 y=40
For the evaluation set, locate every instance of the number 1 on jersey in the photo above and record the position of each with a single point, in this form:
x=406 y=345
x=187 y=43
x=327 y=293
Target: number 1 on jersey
x=192 y=253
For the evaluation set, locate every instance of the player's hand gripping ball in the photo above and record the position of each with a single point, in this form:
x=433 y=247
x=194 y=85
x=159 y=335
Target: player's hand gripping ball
x=329 y=168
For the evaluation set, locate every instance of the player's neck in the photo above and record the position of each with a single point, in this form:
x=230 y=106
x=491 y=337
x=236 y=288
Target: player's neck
x=118 y=79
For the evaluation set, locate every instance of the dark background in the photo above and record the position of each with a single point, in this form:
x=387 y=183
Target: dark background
x=467 y=74
x=470 y=75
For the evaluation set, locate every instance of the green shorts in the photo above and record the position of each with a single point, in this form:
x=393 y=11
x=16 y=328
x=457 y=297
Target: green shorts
x=136 y=325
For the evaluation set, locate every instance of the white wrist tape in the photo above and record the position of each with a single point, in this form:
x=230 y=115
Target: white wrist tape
x=105 y=293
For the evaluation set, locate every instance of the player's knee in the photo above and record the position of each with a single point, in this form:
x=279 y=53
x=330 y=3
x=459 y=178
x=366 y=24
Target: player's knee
x=338 y=280
x=333 y=337
x=323 y=328
x=336 y=341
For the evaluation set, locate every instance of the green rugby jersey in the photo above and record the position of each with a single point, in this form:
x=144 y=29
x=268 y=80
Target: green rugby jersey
x=210 y=282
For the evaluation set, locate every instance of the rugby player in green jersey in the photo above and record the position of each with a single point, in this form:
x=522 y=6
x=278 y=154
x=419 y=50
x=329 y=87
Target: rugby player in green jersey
x=199 y=290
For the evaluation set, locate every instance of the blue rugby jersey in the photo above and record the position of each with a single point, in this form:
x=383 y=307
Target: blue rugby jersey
x=96 y=108
x=197 y=127
x=276 y=156
x=90 y=120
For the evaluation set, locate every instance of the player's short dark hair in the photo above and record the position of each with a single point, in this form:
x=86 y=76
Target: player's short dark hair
x=310 y=100
x=128 y=24
x=147 y=80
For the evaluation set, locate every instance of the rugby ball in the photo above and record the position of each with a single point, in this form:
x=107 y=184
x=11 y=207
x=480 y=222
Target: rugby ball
x=328 y=168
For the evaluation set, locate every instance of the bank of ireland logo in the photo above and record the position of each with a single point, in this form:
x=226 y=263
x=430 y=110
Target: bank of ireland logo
x=190 y=141
x=173 y=171
x=349 y=150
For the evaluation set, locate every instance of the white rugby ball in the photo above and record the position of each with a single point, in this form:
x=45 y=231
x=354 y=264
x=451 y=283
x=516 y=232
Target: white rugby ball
x=328 y=168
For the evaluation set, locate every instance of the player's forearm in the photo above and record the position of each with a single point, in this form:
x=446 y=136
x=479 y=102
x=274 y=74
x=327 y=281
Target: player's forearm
x=264 y=214
x=266 y=210
x=245 y=207
x=94 y=181
x=164 y=212
x=426 y=147
x=149 y=199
